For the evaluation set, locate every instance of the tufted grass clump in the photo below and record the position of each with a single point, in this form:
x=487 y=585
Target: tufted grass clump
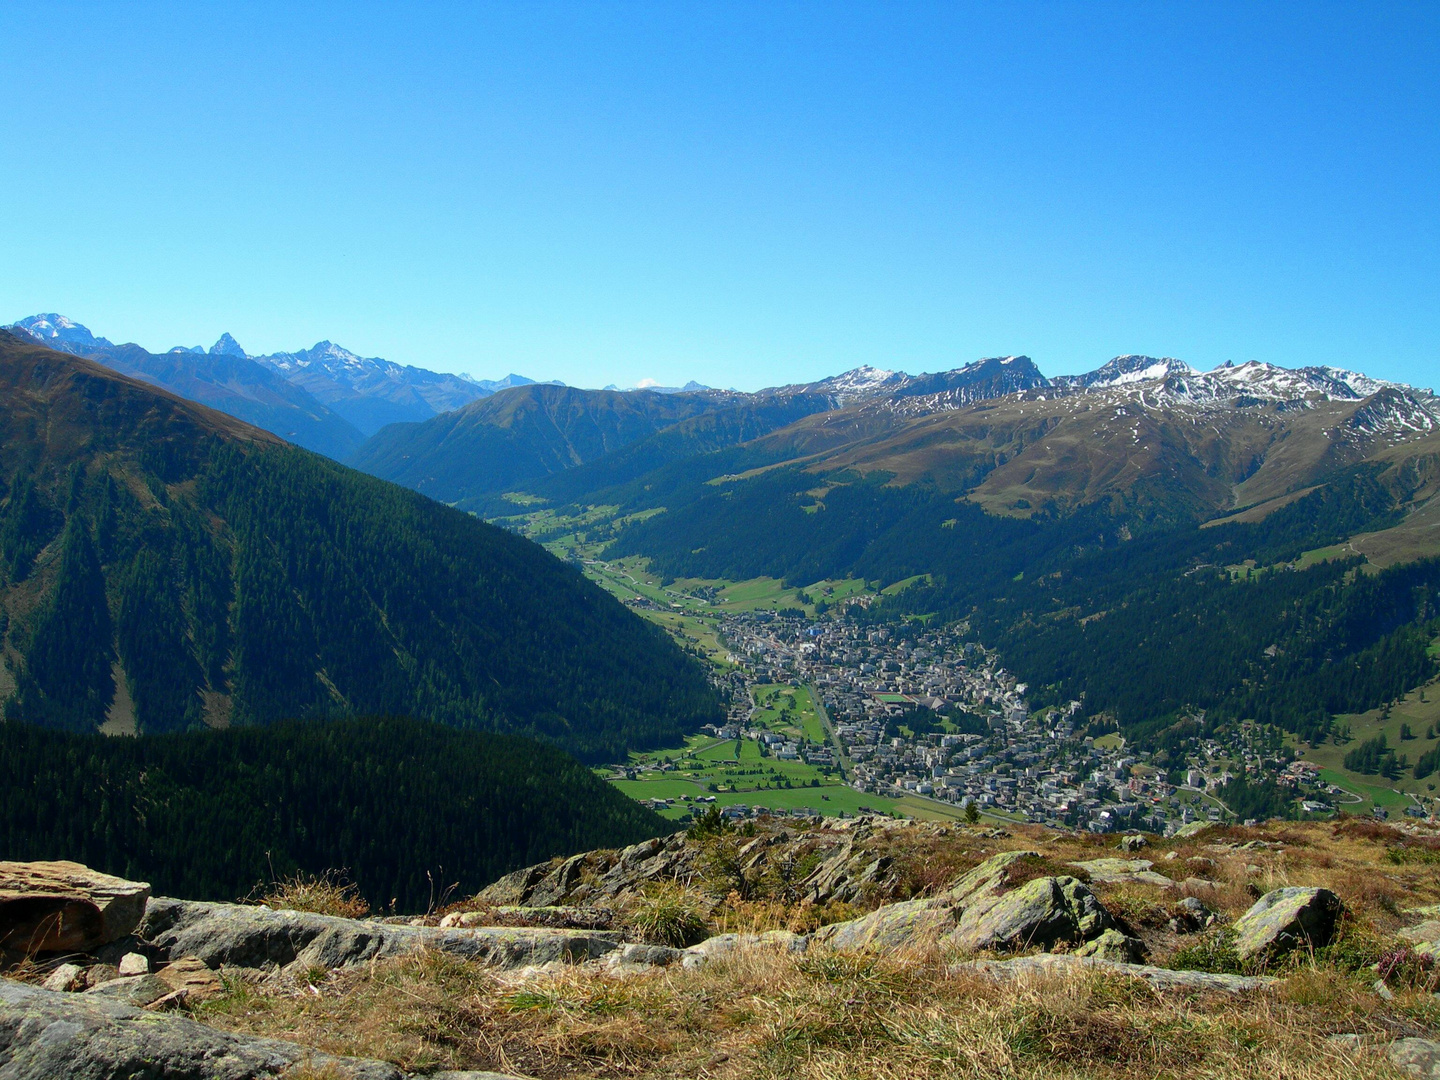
x=671 y=914
x=321 y=894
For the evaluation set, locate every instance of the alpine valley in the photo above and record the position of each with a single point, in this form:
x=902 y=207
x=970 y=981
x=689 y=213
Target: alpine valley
x=901 y=651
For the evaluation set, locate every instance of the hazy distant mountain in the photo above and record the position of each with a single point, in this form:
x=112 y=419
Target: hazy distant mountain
x=58 y=332
x=224 y=379
x=371 y=392
x=347 y=395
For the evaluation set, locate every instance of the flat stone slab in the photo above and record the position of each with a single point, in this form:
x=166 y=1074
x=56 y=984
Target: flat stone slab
x=1055 y=964
x=247 y=936
x=1428 y=931
x=65 y=907
x=1118 y=871
x=45 y=1035
x=1418 y=1057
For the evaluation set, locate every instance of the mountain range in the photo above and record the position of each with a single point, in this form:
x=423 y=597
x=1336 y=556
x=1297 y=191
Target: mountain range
x=324 y=398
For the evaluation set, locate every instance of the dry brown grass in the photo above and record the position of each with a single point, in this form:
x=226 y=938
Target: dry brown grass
x=767 y=1015
x=323 y=894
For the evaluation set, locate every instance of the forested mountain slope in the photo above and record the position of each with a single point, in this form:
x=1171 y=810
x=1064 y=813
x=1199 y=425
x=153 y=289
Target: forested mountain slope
x=521 y=434
x=211 y=814
x=165 y=565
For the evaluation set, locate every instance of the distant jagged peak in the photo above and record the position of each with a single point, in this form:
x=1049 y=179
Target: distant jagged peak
x=228 y=346
x=57 y=331
x=691 y=387
x=1130 y=368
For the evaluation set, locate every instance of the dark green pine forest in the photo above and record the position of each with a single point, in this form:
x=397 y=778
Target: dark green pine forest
x=213 y=814
x=165 y=567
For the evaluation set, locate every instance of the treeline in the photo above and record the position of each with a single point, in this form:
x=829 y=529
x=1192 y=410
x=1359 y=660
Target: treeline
x=213 y=814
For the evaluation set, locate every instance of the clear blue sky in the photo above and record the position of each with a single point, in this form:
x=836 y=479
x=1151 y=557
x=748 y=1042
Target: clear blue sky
x=744 y=194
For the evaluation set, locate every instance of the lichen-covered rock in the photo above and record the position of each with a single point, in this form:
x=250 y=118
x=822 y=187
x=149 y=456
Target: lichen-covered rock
x=253 y=937
x=989 y=876
x=892 y=926
x=726 y=944
x=1042 y=912
x=981 y=911
x=138 y=990
x=1285 y=919
x=44 y=1035
x=1117 y=871
x=65 y=907
x=1114 y=945
x=637 y=957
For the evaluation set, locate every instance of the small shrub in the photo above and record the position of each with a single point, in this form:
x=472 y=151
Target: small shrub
x=1356 y=948
x=1404 y=967
x=669 y=914
x=711 y=823
x=1215 y=953
x=323 y=894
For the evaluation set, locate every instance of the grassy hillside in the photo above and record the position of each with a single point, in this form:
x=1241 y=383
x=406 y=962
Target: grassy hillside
x=166 y=566
x=211 y=814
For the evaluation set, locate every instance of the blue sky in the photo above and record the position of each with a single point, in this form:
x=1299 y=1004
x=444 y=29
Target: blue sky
x=743 y=194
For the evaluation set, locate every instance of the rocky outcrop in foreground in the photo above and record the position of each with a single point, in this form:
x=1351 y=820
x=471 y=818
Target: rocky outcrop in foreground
x=45 y=1035
x=984 y=911
x=253 y=937
x=65 y=907
x=1286 y=919
x=849 y=863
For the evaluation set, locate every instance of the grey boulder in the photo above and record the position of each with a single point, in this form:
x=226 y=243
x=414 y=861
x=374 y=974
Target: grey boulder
x=1043 y=912
x=1286 y=919
x=892 y=926
x=981 y=911
x=247 y=936
x=138 y=990
x=1114 y=945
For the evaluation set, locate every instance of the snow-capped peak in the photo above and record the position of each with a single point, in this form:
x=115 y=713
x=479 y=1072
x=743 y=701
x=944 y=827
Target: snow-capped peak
x=56 y=330
x=1128 y=369
x=860 y=378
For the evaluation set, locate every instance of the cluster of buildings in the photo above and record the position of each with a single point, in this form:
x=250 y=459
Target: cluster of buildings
x=915 y=712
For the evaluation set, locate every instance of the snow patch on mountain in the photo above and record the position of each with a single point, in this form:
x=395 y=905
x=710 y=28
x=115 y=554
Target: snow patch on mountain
x=58 y=332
